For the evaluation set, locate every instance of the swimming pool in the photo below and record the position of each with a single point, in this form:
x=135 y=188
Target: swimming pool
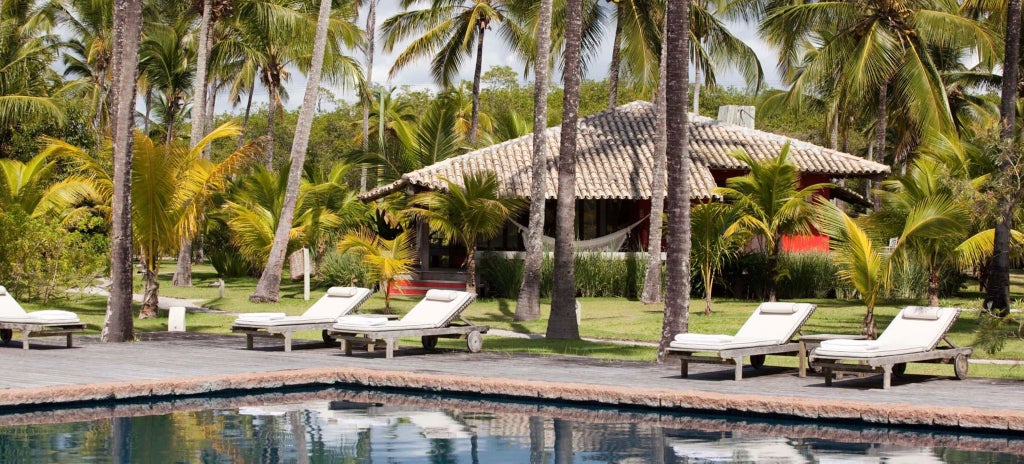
x=360 y=426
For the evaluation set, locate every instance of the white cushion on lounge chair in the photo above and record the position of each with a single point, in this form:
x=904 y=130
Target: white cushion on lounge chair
x=11 y=311
x=441 y=295
x=260 y=316
x=363 y=320
x=912 y=331
x=342 y=292
x=770 y=324
x=429 y=313
x=3 y=290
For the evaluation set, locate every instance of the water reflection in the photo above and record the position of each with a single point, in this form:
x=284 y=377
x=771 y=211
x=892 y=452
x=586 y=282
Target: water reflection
x=366 y=427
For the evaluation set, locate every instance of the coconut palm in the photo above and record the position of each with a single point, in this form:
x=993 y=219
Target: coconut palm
x=652 y=278
x=167 y=59
x=34 y=187
x=636 y=44
x=26 y=50
x=270 y=280
x=385 y=260
x=452 y=30
x=877 y=53
x=677 y=262
x=716 y=237
x=127 y=25
x=467 y=213
x=171 y=188
x=713 y=45
x=772 y=204
x=87 y=51
x=562 y=322
x=528 y=303
x=998 y=285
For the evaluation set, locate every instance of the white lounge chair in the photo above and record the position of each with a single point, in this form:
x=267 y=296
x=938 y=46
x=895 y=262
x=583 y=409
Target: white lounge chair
x=339 y=301
x=46 y=323
x=430 y=319
x=769 y=330
x=913 y=336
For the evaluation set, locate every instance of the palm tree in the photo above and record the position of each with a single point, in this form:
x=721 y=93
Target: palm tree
x=171 y=188
x=270 y=280
x=528 y=303
x=450 y=30
x=87 y=51
x=183 y=272
x=712 y=44
x=677 y=262
x=34 y=187
x=997 y=296
x=368 y=49
x=26 y=51
x=652 y=278
x=118 y=325
x=772 y=204
x=716 y=237
x=562 y=322
x=877 y=54
x=635 y=43
x=467 y=213
x=166 y=59
x=385 y=260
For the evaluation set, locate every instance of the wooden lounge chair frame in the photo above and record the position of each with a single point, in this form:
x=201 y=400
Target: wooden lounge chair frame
x=286 y=331
x=29 y=329
x=734 y=356
x=897 y=363
x=473 y=334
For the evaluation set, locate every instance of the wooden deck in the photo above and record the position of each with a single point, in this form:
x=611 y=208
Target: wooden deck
x=165 y=356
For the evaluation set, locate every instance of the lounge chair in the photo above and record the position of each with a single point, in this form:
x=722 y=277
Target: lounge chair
x=46 y=323
x=913 y=336
x=769 y=330
x=339 y=301
x=430 y=319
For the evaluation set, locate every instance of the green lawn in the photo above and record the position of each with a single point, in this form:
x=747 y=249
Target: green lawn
x=602 y=318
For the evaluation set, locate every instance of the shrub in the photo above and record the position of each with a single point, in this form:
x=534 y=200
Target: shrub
x=501 y=277
x=745 y=276
x=42 y=259
x=230 y=263
x=343 y=269
x=596 y=275
x=807 y=275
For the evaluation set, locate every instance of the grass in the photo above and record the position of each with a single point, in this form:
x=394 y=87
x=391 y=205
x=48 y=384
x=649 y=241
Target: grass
x=602 y=318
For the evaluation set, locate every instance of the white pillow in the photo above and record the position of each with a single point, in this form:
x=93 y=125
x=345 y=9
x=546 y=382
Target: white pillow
x=344 y=292
x=778 y=308
x=441 y=295
x=3 y=290
x=922 y=313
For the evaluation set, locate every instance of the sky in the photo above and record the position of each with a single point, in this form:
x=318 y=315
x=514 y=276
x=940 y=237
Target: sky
x=417 y=75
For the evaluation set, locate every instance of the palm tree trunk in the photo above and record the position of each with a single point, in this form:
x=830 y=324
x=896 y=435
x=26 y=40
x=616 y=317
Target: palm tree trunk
x=997 y=293
x=149 y=107
x=528 y=304
x=474 y=121
x=709 y=281
x=183 y=272
x=698 y=76
x=471 y=269
x=880 y=130
x=652 y=279
x=933 y=287
x=677 y=295
x=773 y=269
x=211 y=108
x=245 y=118
x=616 y=63
x=118 y=325
x=150 y=298
x=562 y=323
x=371 y=24
x=869 y=328
x=271 y=110
x=270 y=281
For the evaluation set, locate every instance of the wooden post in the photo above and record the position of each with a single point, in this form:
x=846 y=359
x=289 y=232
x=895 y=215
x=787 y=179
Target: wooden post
x=305 y=273
x=220 y=287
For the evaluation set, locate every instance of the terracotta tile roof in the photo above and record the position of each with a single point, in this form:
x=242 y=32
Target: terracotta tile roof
x=616 y=152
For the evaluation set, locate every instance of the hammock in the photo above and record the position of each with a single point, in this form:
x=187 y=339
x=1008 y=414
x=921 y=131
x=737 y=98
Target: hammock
x=611 y=242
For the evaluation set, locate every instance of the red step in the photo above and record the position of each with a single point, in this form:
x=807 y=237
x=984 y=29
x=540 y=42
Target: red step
x=420 y=287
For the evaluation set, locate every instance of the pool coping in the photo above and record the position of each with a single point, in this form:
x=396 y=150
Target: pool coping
x=810 y=409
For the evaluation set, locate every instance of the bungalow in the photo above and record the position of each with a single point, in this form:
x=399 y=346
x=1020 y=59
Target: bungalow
x=614 y=172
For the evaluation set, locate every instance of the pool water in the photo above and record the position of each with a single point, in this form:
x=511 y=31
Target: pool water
x=342 y=426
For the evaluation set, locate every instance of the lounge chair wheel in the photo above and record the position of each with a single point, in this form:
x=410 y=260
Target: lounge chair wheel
x=757 y=361
x=899 y=369
x=960 y=366
x=474 y=341
x=429 y=341
x=328 y=339
x=6 y=335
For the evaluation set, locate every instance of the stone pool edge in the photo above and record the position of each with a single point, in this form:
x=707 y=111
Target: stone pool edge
x=898 y=414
